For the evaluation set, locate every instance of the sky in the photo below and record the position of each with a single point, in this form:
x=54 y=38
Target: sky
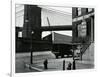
x=69 y=33
x=63 y=10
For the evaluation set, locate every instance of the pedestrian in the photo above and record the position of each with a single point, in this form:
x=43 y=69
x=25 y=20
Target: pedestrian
x=63 y=64
x=46 y=64
x=74 y=66
x=69 y=66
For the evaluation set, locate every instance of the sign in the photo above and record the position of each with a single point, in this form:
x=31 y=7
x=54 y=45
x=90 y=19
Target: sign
x=82 y=17
x=82 y=29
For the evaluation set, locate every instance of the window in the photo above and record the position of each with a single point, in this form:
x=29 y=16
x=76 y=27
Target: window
x=45 y=33
x=89 y=9
x=19 y=34
x=19 y=13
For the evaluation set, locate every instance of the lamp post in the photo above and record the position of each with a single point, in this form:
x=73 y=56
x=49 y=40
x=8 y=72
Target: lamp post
x=31 y=59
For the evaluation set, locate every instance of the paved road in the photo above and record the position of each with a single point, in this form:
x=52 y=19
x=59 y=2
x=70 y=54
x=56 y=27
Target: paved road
x=53 y=64
x=38 y=57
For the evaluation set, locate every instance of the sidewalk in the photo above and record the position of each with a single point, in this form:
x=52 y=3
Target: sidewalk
x=84 y=64
x=53 y=64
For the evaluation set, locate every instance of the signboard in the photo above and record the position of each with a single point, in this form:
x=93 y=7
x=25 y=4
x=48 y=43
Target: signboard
x=82 y=29
x=82 y=17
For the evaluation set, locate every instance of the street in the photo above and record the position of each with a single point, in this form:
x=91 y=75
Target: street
x=23 y=62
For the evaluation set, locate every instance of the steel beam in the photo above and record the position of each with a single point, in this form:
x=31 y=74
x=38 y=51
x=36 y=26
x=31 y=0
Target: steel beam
x=54 y=28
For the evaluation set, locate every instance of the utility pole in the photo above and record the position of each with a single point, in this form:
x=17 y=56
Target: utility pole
x=31 y=59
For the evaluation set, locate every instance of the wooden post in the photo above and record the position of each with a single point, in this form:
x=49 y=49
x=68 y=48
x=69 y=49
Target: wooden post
x=63 y=64
x=31 y=59
x=31 y=56
x=74 y=65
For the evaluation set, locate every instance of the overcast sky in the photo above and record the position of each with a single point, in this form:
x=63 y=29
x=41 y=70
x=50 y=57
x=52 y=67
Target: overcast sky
x=62 y=10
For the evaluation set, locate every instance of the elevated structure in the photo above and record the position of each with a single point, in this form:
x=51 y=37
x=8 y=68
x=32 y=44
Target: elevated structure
x=61 y=44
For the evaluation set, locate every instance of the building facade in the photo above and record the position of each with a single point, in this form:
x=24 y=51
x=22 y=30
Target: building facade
x=83 y=24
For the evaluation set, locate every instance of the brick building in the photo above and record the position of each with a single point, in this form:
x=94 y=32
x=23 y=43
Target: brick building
x=83 y=24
